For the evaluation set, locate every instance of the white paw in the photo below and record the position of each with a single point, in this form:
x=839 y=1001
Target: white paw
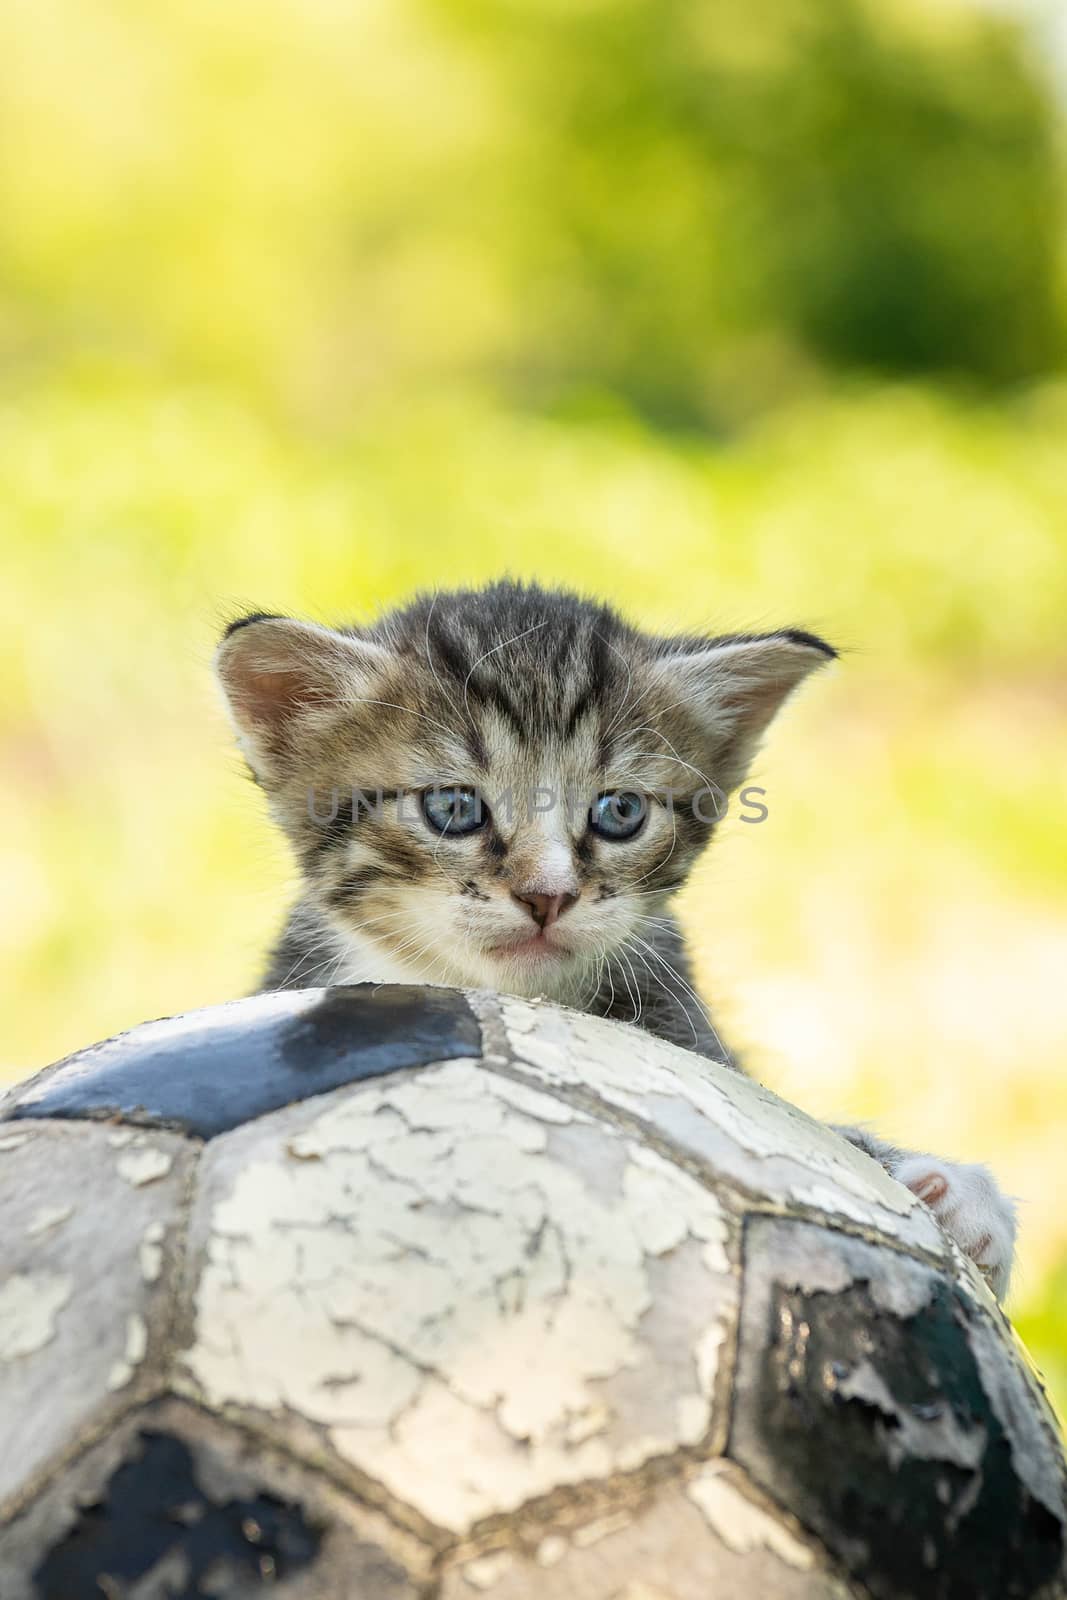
x=969 y=1205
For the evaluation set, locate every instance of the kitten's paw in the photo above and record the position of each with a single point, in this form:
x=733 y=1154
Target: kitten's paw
x=969 y=1205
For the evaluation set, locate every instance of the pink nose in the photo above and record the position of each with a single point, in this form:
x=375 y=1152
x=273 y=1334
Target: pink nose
x=545 y=908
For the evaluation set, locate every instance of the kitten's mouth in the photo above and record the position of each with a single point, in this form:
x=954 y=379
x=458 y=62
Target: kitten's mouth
x=529 y=947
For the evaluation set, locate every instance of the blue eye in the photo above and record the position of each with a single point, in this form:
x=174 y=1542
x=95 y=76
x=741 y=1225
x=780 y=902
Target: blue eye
x=454 y=810
x=619 y=814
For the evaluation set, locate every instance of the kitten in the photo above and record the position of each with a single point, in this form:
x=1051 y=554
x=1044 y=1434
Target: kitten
x=502 y=789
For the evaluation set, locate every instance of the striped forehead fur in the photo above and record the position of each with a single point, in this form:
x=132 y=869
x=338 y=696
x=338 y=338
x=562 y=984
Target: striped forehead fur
x=544 y=663
x=540 y=660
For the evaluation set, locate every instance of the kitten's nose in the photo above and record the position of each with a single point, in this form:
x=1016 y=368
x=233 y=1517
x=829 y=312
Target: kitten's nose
x=545 y=908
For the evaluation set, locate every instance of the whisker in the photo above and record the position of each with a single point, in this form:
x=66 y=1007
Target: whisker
x=638 y=1002
x=670 y=852
x=366 y=700
x=658 y=755
x=487 y=653
x=316 y=949
x=685 y=1011
x=629 y=681
x=611 y=982
x=429 y=658
x=657 y=982
x=689 y=990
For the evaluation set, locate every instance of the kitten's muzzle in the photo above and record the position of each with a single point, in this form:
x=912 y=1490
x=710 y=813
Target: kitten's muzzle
x=545 y=909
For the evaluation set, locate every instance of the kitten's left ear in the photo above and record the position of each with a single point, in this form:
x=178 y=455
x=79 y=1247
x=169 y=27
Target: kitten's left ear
x=736 y=685
x=281 y=679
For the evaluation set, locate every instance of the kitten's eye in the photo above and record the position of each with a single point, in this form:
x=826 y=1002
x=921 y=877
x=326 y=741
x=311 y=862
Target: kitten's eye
x=619 y=814
x=454 y=810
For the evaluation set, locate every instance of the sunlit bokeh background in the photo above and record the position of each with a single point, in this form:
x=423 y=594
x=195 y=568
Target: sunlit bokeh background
x=736 y=314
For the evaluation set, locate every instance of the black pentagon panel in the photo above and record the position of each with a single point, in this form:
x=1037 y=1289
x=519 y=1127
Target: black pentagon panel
x=156 y=1515
x=876 y=1401
x=174 y=1503
x=209 y=1071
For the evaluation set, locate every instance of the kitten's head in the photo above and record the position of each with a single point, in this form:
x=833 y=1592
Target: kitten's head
x=499 y=787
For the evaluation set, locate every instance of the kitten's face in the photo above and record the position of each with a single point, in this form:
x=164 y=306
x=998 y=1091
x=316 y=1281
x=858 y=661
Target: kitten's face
x=503 y=860
x=500 y=789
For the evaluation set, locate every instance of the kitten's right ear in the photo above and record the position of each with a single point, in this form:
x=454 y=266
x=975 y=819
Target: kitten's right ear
x=281 y=679
x=734 y=685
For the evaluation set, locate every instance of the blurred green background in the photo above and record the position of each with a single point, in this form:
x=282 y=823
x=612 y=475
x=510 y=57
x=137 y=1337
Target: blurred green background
x=737 y=314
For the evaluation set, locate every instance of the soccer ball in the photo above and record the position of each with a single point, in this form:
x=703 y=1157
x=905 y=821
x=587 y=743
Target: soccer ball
x=384 y=1293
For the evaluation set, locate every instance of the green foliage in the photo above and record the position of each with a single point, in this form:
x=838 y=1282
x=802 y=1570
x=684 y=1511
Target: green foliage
x=695 y=209
x=724 y=194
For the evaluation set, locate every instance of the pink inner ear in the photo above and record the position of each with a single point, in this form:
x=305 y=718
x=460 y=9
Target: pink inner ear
x=276 y=673
x=271 y=697
x=755 y=699
x=744 y=684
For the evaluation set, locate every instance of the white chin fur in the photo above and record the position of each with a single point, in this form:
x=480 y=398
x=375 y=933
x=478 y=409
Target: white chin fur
x=360 y=959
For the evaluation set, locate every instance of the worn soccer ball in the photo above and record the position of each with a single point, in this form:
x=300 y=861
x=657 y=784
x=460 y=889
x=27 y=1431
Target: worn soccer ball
x=381 y=1293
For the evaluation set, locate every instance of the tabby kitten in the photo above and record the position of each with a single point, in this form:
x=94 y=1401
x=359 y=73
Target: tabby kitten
x=502 y=788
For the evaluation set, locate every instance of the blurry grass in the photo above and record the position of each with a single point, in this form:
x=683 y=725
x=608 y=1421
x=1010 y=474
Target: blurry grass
x=890 y=944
